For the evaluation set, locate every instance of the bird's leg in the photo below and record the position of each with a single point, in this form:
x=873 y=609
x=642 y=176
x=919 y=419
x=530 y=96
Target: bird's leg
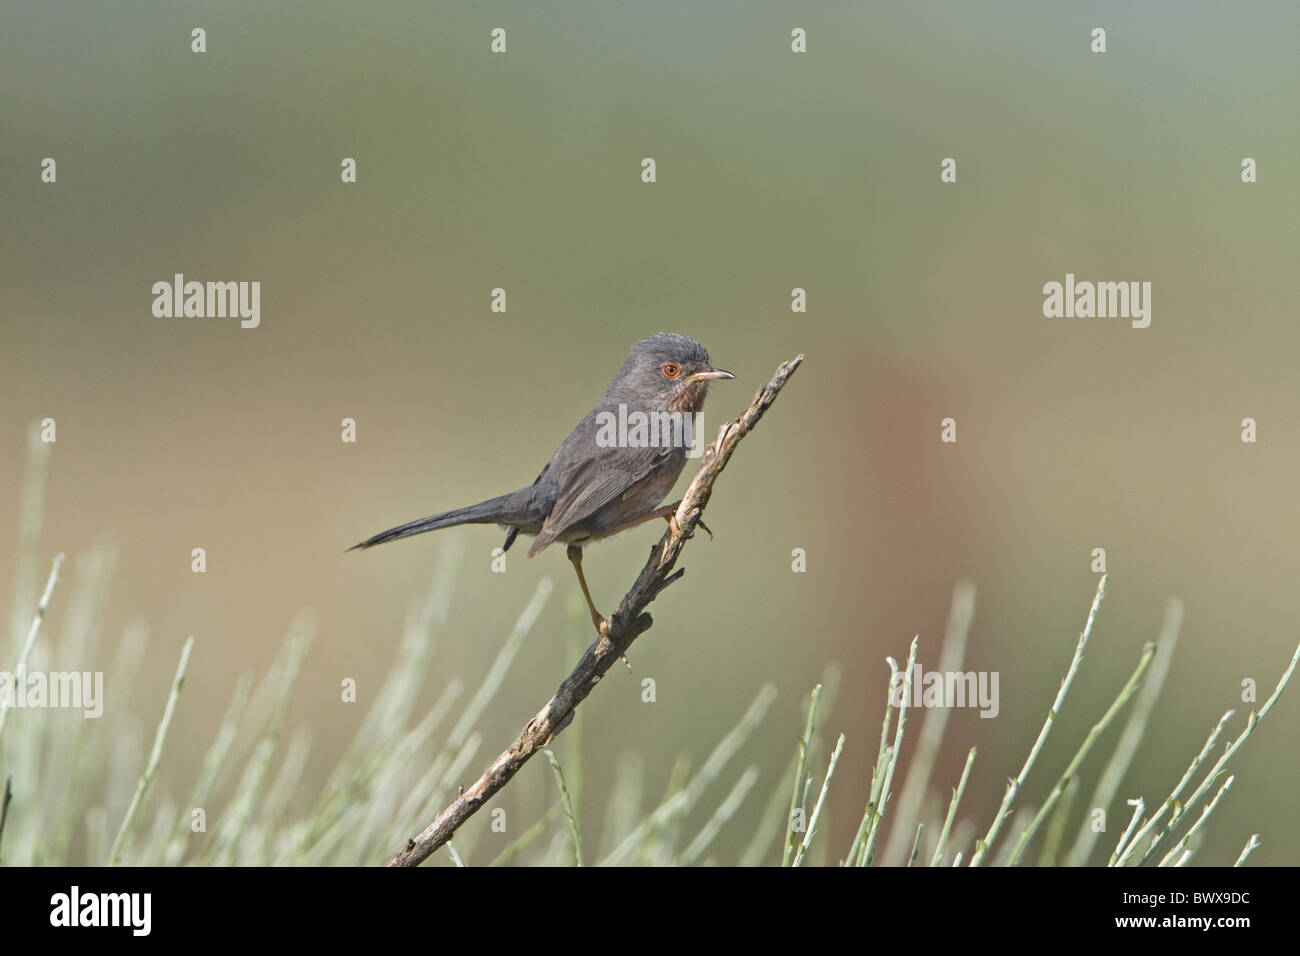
x=667 y=512
x=575 y=555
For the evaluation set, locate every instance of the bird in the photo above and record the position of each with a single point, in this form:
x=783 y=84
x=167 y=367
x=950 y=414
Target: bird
x=603 y=479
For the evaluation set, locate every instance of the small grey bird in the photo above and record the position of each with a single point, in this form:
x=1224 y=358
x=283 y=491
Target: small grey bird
x=593 y=488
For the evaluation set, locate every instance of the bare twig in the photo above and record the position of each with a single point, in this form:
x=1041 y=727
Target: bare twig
x=570 y=813
x=817 y=810
x=1134 y=731
x=951 y=655
x=878 y=769
x=1139 y=807
x=626 y=624
x=916 y=844
x=880 y=800
x=1099 y=728
x=797 y=798
x=952 y=809
x=1177 y=853
x=9 y=795
x=21 y=665
x=1126 y=850
x=1248 y=849
x=983 y=846
x=1251 y=723
x=146 y=778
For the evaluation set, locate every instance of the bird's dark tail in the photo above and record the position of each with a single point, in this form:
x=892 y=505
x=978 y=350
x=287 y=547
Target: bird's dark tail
x=500 y=510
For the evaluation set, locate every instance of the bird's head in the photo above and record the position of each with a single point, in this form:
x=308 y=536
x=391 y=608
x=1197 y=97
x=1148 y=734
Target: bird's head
x=665 y=371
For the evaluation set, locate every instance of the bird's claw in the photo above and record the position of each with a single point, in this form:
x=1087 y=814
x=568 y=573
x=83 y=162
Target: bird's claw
x=676 y=528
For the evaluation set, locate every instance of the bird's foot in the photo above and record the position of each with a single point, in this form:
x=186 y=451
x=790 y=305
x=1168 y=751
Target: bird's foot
x=676 y=528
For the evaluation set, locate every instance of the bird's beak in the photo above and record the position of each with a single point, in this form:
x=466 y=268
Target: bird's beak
x=708 y=375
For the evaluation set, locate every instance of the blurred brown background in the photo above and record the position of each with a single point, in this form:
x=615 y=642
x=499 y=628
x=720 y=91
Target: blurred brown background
x=775 y=170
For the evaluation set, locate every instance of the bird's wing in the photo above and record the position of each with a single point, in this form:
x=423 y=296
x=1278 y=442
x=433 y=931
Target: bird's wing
x=593 y=482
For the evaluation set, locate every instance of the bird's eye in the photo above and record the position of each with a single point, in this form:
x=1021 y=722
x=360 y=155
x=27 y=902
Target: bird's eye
x=670 y=369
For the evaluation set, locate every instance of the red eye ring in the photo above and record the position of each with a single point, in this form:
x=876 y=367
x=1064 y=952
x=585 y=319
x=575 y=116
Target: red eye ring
x=670 y=369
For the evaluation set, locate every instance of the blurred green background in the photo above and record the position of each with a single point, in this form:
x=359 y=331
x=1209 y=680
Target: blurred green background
x=775 y=171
